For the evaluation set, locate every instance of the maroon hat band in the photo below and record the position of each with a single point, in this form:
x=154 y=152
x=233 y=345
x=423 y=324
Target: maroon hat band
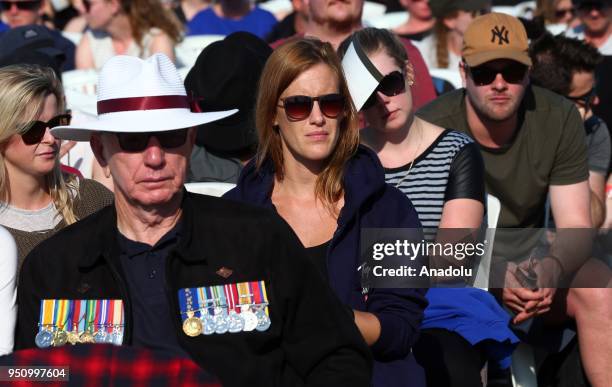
x=143 y=103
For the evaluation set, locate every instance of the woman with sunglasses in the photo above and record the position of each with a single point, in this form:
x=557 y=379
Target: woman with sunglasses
x=36 y=198
x=126 y=27
x=442 y=49
x=556 y=12
x=311 y=170
x=442 y=173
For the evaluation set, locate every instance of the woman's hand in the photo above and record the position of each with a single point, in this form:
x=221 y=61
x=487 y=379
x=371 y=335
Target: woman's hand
x=368 y=325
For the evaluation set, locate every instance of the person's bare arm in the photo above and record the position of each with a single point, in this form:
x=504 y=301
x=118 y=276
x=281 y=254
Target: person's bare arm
x=597 y=184
x=161 y=43
x=84 y=57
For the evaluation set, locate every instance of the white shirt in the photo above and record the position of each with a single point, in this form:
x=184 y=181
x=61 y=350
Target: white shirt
x=8 y=291
x=578 y=33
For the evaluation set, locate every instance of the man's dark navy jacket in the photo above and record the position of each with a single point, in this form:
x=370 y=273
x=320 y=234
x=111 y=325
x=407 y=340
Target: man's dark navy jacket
x=312 y=337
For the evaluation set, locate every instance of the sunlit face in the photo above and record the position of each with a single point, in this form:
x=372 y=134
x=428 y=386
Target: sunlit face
x=335 y=12
x=28 y=13
x=460 y=23
x=418 y=9
x=390 y=113
x=99 y=13
x=597 y=21
x=152 y=177
x=37 y=159
x=499 y=100
x=309 y=141
x=582 y=85
x=564 y=12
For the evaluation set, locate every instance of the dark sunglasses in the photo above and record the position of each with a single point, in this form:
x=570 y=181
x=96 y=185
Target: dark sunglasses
x=512 y=73
x=560 y=13
x=589 y=6
x=299 y=107
x=585 y=99
x=392 y=84
x=36 y=129
x=137 y=142
x=21 y=5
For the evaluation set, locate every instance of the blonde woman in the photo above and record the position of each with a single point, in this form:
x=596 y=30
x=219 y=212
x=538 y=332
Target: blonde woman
x=36 y=198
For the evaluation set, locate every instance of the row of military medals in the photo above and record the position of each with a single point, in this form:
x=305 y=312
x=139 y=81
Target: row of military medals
x=233 y=308
x=80 y=321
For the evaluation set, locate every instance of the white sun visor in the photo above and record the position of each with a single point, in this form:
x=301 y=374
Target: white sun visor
x=361 y=75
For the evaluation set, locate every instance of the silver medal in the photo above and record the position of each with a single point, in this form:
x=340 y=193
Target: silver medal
x=263 y=321
x=236 y=322
x=44 y=339
x=250 y=319
x=208 y=324
x=221 y=321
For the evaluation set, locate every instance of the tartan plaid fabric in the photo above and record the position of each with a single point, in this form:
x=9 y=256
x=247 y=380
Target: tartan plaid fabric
x=95 y=365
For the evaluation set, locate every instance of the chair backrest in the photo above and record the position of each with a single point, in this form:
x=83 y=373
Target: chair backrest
x=190 y=48
x=372 y=10
x=484 y=266
x=80 y=89
x=82 y=81
x=389 y=20
x=280 y=8
x=452 y=76
x=209 y=188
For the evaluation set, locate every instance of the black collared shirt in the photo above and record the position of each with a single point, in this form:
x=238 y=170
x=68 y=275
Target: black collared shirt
x=144 y=268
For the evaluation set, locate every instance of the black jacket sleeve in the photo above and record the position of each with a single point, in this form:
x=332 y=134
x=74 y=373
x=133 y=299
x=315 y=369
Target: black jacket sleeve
x=28 y=302
x=466 y=178
x=320 y=338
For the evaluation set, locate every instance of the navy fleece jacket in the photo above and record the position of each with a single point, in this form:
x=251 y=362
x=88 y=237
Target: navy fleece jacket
x=369 y=203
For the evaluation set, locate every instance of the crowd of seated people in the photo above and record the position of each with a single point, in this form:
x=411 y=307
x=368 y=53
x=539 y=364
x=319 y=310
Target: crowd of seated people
x=326 y=128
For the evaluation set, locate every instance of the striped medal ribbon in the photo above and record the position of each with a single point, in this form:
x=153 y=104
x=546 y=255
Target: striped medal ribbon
x=44 y=337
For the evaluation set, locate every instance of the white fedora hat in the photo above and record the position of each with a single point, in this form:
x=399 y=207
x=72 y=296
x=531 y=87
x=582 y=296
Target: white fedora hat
x=136 y=95
x=361 y=75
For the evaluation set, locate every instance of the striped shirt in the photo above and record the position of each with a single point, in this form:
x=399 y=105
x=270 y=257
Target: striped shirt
x=426 y=182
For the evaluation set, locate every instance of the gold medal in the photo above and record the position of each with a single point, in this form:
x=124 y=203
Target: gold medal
x=60 y=338
x=86 y=338
x=73 y=337
x=192 y=326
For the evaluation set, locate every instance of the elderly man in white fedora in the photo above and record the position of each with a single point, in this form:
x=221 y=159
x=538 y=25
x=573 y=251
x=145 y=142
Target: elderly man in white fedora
x=223 y=283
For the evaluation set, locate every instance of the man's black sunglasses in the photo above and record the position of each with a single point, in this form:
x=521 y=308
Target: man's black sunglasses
x=585 y=99
x=484 y=75
x=36 y=129
x=26 y=5
x=392 y=84
x=137 y=142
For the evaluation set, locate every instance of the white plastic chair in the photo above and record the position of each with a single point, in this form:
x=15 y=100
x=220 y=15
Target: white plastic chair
x=484 y=267
x=449 y=75
x=280 y=8
x=209 y=188
x=82 y=81
x=190 y=48
x=372 y=10
x=80 y=89
x=388 y=20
